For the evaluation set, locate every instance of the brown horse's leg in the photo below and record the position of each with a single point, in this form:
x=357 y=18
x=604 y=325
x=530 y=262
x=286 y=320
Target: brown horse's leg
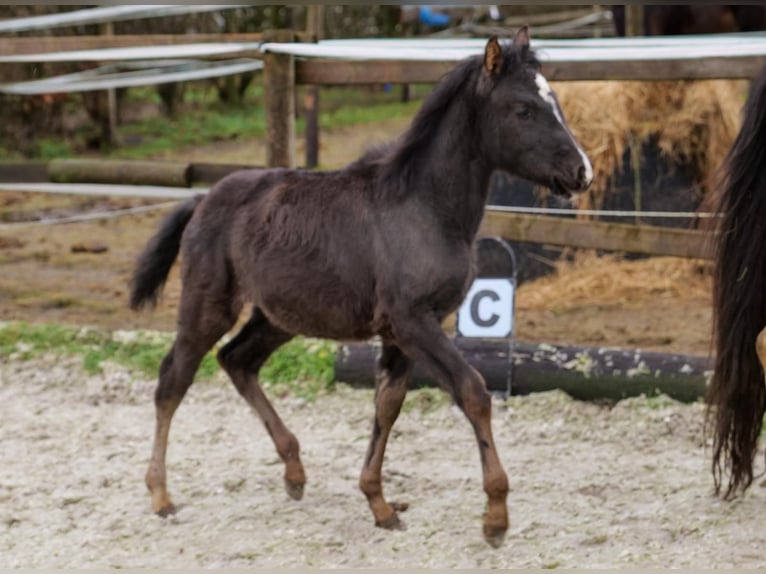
x=200 y=327
x=241 y=358
x=760 y=348
x=424 y=340
x=390 y=389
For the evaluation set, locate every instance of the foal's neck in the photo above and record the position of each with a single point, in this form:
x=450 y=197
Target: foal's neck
x=455 y=178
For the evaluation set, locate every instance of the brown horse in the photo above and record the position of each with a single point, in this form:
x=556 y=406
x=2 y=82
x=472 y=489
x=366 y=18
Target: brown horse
x=737 y=395
x=382 y=247
x=676 y=19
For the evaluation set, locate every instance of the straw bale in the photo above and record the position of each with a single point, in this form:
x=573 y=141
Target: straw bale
x=611 y=280
x=694 y=123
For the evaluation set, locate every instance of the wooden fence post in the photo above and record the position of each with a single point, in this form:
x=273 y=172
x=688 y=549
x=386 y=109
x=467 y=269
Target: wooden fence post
x=634 y=26
x=314 y=18
x=110 y=135
x=279 y=100
x=634 y=20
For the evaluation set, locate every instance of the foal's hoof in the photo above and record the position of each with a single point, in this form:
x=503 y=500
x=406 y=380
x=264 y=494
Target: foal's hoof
x=393 y=522
x=494 y=535
x=294 y=490
x=167 y=510
x=400 y=506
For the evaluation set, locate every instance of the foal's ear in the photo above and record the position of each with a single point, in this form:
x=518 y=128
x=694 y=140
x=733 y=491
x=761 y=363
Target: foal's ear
x=493 y=56
x=522 y=37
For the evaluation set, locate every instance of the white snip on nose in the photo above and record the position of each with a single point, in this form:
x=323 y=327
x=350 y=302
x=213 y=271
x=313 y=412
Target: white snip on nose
x=544 y=89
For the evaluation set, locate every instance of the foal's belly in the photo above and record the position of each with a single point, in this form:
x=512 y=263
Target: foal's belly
x=315 y=303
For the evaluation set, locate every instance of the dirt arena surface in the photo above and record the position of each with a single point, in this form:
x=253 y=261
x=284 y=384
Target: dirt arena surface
x=591 y=486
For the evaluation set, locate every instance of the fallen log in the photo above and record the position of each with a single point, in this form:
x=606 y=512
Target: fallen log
x=130 y=172
x=586 y=373
x=124 y=172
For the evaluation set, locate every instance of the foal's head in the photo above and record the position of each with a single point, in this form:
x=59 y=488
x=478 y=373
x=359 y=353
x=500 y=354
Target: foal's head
x=522 y=128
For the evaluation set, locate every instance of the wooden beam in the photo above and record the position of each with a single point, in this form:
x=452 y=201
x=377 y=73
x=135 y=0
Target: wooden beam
x=279 y=100
x=24 y=172
x=741 y=67
x=647 y=239
x=339 y=72
x=156 y=172
x=133 y=172
x=210 y=173
x=45 y=44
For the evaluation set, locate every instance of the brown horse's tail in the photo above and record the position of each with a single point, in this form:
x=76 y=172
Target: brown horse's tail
x=737 y=395
x=154 y=263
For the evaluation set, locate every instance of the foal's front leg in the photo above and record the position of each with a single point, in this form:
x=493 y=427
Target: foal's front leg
x=423 y=339
x=393 y=370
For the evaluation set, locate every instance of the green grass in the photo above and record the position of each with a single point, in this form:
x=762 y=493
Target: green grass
x=355 y=115
x=203 y=119
x=198 y=126
x=303 y=367
x=425 y=400
x=51 y=148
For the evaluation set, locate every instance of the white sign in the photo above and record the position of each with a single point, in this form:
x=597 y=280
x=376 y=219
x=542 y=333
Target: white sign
x=487 y=310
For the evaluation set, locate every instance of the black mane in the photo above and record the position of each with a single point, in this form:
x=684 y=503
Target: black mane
x=398 y=161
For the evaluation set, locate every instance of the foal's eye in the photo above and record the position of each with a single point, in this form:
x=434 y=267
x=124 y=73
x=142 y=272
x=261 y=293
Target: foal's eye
x=524 y=113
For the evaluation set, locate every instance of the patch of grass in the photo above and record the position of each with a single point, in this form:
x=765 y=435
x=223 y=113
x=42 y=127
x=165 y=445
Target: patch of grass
x=7 y=154
x=213 y=122
x=303 y=367
x=51 y=148
x=353 y=115
x=202 y=119
x=425 y=400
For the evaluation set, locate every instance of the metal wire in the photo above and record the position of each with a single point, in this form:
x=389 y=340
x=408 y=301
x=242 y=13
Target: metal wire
x=89 y=216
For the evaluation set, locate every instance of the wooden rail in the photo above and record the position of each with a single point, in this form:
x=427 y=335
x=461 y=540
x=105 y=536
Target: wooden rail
x=341 y=72
x=587 y=234
x=46 y=44
x=548 y=230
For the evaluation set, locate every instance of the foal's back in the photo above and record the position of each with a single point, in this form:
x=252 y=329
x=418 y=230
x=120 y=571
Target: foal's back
x=295 y=243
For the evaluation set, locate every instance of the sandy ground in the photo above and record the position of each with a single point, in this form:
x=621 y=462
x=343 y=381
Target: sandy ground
x=591 y=486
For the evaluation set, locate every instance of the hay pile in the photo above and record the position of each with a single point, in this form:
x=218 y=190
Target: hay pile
x=695 y=123
x=609 y=280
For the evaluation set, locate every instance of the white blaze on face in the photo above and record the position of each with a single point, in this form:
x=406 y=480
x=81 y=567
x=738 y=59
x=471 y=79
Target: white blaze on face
x=547 y=95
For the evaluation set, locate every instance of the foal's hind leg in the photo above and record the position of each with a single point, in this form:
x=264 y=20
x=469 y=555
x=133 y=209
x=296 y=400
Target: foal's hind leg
x=201 y=324
x=242 y=357
x=390 y=389
x=423 y=339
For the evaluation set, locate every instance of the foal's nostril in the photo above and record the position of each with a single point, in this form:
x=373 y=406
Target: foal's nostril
x=584 y=177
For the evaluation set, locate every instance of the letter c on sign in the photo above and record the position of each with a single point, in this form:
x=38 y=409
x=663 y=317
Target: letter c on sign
x=476 y=301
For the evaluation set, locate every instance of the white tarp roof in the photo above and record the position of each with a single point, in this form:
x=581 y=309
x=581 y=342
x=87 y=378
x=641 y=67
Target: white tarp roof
x=200 y=50
x=137 y=74
x=587 y=49
x=107 y=14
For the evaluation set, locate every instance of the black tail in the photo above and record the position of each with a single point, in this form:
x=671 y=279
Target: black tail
x=737 y=395
x=158 y=256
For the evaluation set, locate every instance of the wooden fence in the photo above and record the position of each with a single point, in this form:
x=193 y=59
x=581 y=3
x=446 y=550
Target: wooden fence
x=284 y=72
x=585 y=234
